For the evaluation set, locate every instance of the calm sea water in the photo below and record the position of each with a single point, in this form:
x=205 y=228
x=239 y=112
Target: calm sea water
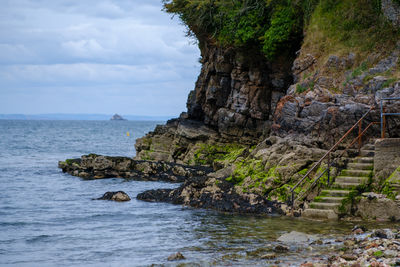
x=47 y=218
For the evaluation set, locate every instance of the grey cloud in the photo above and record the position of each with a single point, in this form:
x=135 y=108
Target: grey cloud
x=93 y=44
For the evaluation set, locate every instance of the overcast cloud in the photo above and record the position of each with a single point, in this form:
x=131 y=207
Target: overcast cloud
x=93 y=56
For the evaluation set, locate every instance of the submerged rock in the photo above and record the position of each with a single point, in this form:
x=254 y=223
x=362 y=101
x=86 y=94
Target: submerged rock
x=296 y=237
x=175 y=257
x=281 y=249
x=268 y=256
x=118 y=196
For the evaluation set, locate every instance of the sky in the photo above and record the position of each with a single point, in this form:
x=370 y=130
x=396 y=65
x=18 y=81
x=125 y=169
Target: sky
x=94 y=56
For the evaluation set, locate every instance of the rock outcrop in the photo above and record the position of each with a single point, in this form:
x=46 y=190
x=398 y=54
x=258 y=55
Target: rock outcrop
x=214 y=193
x=378 y=207
x=289 y=136
x=119 y=196
x=94 y=166
x=391 y=9
x=117 y=117
x=241 y=101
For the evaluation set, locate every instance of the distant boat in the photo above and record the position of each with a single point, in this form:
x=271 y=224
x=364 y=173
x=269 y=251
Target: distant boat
x=117 y=117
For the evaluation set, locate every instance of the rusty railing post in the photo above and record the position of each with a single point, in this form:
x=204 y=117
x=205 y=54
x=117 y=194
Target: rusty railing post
x=359 y=135
x=329 y=167
x=382 y=121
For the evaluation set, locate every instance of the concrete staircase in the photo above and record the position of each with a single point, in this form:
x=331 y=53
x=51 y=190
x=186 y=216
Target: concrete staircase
x=326 y=205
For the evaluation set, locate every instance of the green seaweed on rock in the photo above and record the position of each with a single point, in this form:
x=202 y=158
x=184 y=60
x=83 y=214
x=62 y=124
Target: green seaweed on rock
x=208 y=153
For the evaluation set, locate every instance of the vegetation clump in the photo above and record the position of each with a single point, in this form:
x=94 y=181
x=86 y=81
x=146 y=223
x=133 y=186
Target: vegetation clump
x=270 y=25
x=208 y=153
x=274 y=27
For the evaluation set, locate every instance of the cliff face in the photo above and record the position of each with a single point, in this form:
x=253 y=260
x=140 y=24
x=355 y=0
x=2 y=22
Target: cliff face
x=237 y=91
x=262 y=123
x=233 y=102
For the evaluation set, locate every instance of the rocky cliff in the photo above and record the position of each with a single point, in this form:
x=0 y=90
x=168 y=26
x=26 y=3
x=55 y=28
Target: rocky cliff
x=261 y=122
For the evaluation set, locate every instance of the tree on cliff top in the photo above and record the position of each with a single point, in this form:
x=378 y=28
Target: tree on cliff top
x=270 y=25
x=276 y=26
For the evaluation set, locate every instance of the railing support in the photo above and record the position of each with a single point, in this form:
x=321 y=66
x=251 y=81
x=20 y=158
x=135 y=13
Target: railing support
x=329 y=168
x=358 y=138
x=359 y=134
x=384 y=114
x=383 y=122
x=382 y=131
x=327 y=154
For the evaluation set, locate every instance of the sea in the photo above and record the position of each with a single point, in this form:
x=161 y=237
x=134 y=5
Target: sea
x=48 y=218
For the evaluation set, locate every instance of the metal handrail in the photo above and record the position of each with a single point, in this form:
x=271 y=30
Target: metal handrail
x=327 y=154
x=383 y=114
x=358 y=138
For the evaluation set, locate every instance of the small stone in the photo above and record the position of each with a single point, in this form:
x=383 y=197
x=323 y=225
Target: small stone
x=390 y=254
x=372 y=245
x=296 y=237
x=307 y=264
x=176 y=257
x=349 y=243
x=379 y=233
x=359 y=229
x=349 y=257
x=268 y=256
x=281 y=249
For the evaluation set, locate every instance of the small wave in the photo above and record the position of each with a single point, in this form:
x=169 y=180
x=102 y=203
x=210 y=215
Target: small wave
x=13 y=224
x=40 y=238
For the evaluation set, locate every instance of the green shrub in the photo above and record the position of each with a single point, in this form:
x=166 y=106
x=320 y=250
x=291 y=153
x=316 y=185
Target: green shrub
x=300 y=89
x=271 y=26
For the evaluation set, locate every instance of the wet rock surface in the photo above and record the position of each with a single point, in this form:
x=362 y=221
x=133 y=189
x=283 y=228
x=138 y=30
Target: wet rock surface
x=217 y=194
x=94 y=166
x=119 y=196
x=296 y=237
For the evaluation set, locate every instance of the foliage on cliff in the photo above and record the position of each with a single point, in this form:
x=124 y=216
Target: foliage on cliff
x=341 y=27
x=270 y=25
x=273 y=26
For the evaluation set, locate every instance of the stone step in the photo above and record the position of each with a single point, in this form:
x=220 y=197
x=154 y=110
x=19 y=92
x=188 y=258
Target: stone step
x=367 y=153
x=368 y=147
x=351 y=179
x=355 y=173
x=360 y=166
x=324 y=206
x=320 y=214
x=334 y=193
x=364 y=160
x=345 y=185
x=330 y=199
